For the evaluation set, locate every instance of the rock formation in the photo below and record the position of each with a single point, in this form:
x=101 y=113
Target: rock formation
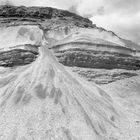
x=77 y=42
x=42 y=99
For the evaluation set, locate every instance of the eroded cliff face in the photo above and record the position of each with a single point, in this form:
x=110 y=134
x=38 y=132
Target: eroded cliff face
x=75 y=41
x=42 y=99
x=19 y=44
x=94 y=48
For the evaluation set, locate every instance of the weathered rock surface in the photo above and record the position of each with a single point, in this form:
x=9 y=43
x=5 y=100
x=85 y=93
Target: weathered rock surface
x=16 y=57
x=74 y=40
x=98 y=59
x=40 y=14
x=103 y=76
x=42 y=99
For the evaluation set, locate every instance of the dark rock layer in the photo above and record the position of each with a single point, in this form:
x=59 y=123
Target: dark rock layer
x=94 y=66
x=98 y=59
x=16 y=57
x=40 y=14
x=103 y=76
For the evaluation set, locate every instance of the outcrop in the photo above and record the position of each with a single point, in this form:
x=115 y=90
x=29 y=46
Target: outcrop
x=75 y=40
x=43 y=99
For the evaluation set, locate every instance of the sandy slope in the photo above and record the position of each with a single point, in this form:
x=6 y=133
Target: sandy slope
x=127 y=94
x=43 y=101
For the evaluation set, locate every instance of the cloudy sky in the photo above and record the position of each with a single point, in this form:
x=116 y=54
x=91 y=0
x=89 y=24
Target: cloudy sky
x=120 y=16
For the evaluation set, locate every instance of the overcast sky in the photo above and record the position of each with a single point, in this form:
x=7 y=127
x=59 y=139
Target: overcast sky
x=120 y=16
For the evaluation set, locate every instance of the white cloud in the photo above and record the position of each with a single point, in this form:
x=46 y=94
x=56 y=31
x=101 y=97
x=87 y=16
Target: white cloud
x=63 y=4
x=89 y=7
x=127 y=26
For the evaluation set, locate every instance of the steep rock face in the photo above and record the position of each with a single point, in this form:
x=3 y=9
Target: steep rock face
x=92 y=49
x=74 y=40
